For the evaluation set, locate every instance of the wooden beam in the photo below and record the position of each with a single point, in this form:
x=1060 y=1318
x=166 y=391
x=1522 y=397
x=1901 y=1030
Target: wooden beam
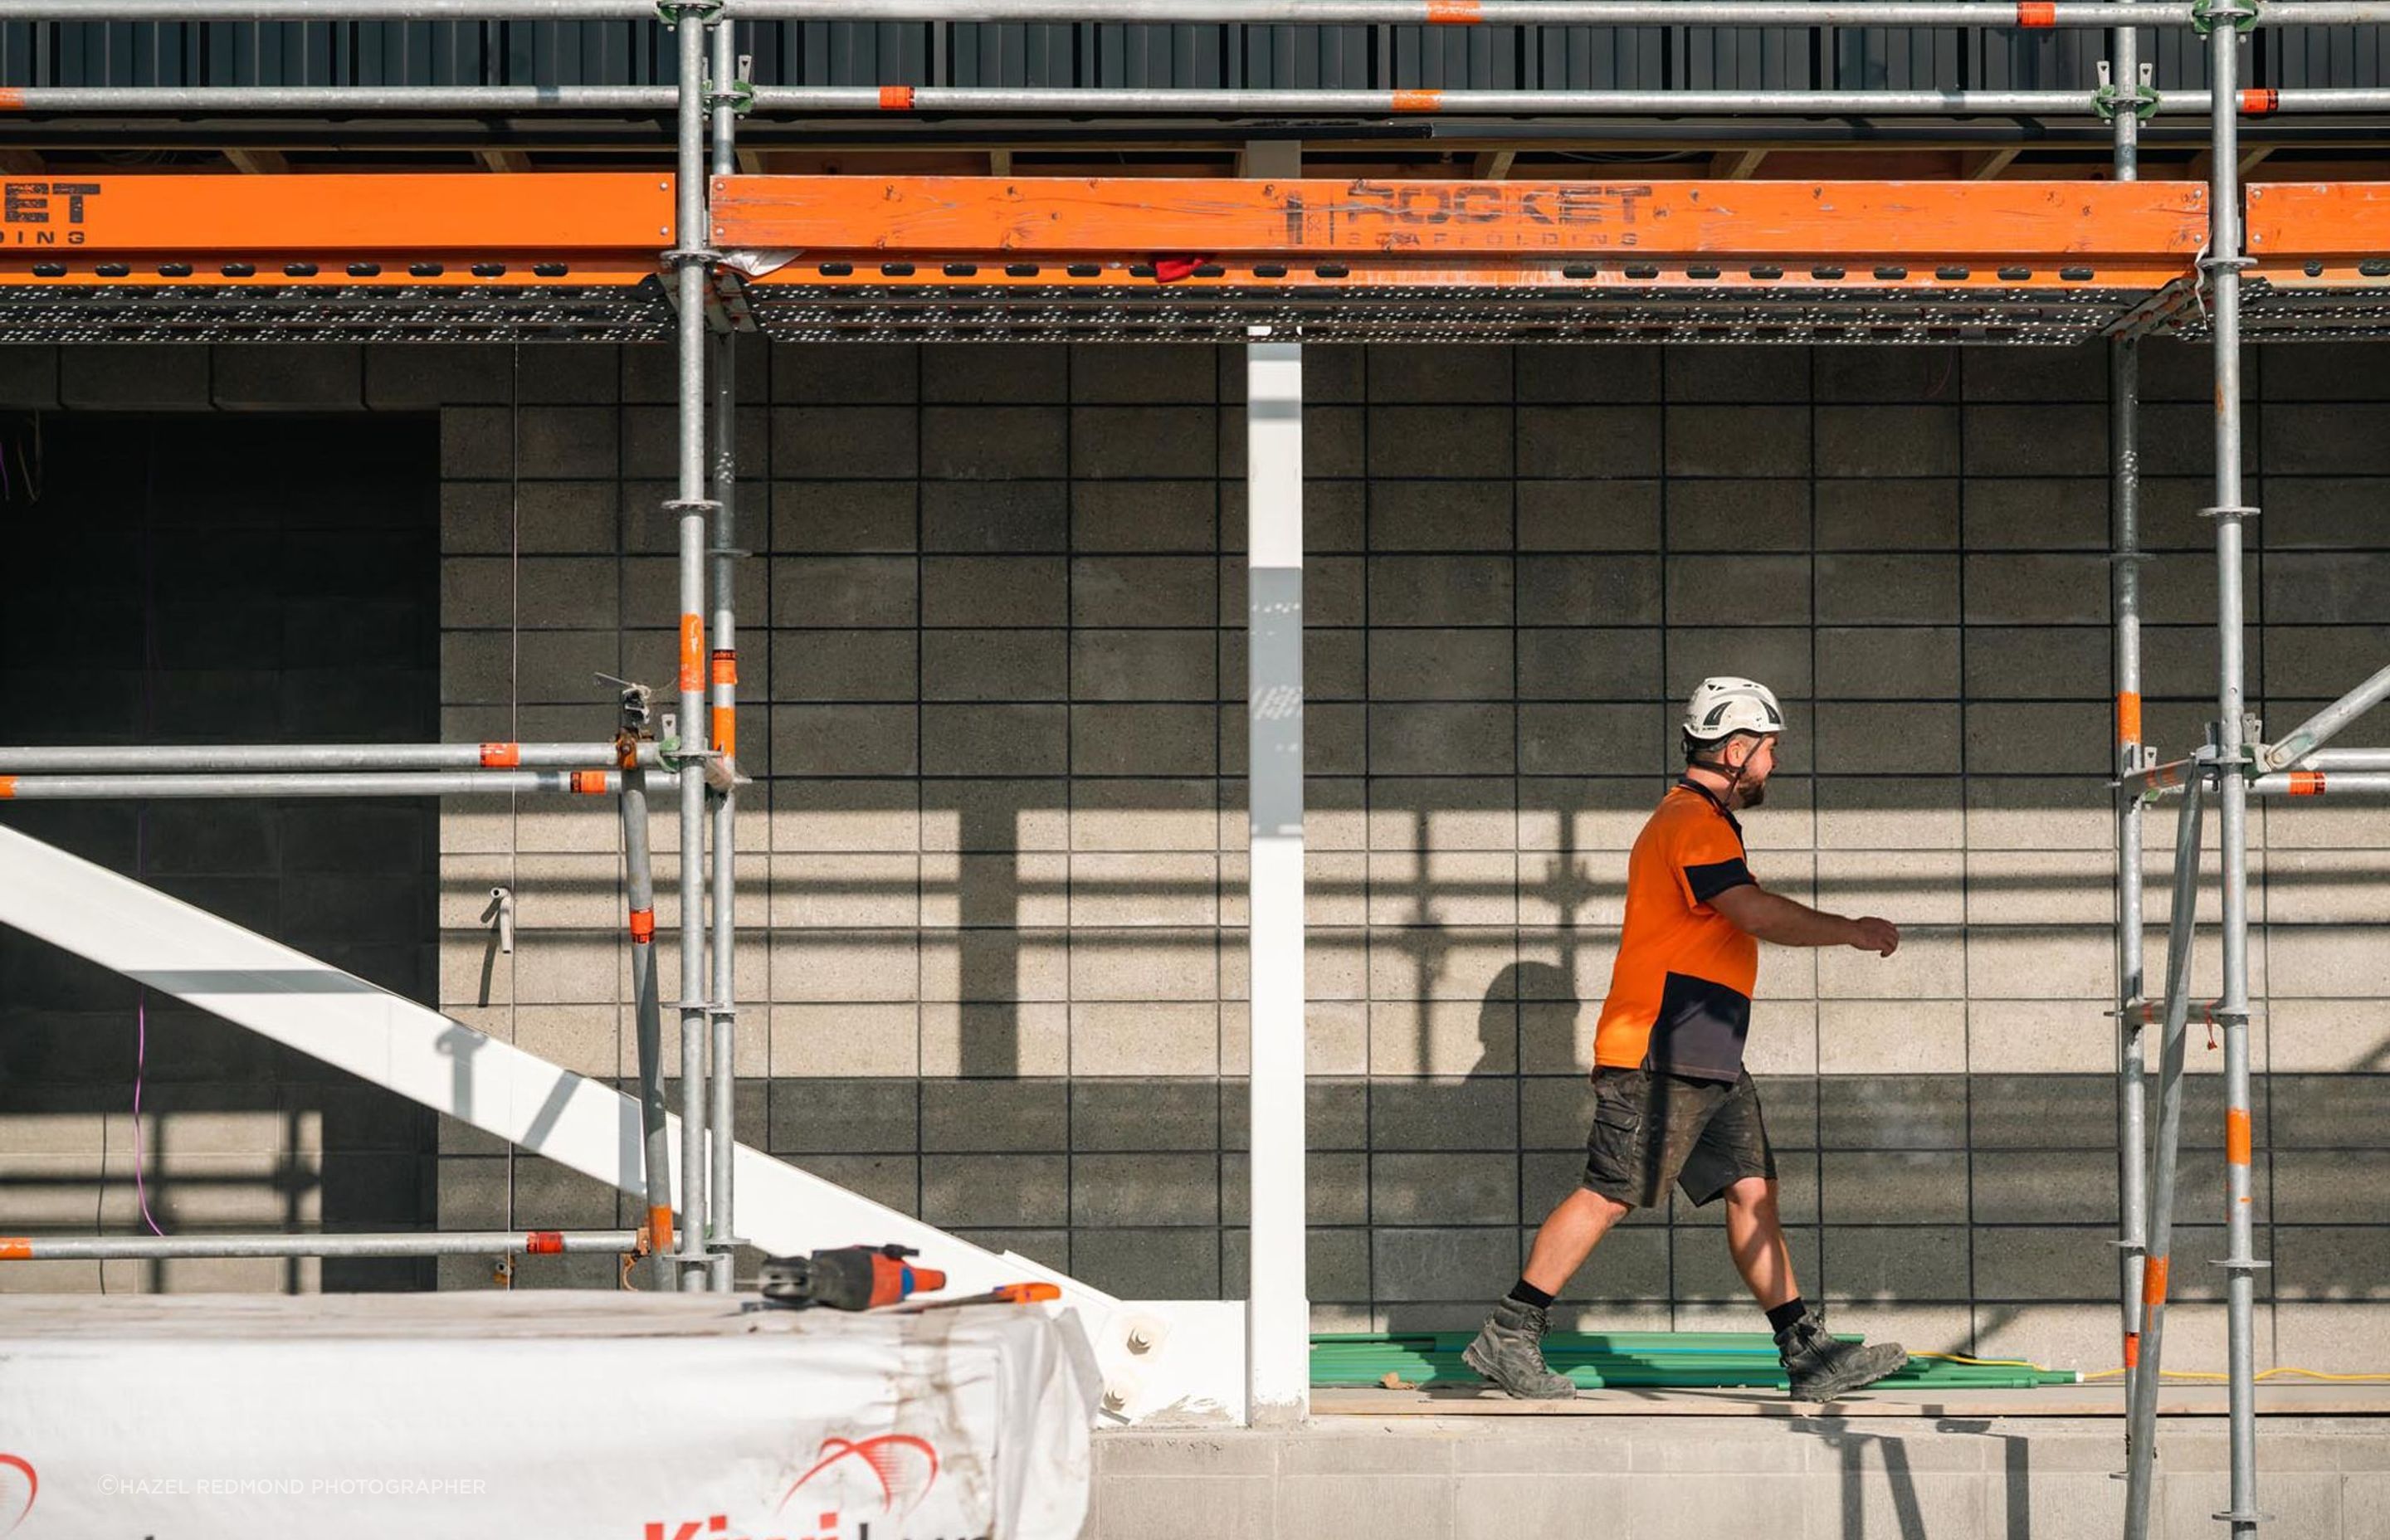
x=21 y=162
x=751 y=162
x=1985 y=164
x=258 y=162
x=2202 y=165
x=1271 y=158
x=999 y=162
x=503 y=159
x=1736 y=165
x=1492 y=165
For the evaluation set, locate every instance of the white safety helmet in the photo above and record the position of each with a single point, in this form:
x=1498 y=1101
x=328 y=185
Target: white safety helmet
x=1725 y=706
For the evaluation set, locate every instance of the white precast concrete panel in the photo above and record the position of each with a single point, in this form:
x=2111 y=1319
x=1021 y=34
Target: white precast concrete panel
x=399 y=1416
x=1279 y=1323
x=207 y=961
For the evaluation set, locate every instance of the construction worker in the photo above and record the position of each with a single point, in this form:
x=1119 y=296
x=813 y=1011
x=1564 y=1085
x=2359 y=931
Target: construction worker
x=1672 y=1100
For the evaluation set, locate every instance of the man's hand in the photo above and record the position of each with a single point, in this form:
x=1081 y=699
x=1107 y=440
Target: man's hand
x=1878 y=936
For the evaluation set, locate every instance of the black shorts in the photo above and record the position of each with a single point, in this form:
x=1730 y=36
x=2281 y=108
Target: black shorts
x=1650 y=1129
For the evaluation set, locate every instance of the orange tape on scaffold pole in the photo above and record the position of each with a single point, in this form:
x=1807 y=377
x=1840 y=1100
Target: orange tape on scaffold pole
x=2154 y=1283
x=1454 y=13
x=2128 y=716
x=692 y=653
x=501 y=756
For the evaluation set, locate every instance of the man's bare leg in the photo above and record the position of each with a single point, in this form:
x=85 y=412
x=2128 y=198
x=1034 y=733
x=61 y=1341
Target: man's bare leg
x=1755 y=1236
x=1569 y=1235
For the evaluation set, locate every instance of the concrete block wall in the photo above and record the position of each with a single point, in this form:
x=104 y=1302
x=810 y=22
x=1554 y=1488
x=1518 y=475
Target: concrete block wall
x=179 y=574
x=992 y=967
x=995 y=968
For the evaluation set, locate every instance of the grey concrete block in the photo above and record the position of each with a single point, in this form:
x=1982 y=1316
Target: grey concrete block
x=1888 y=440
x=1730 y=515
x=29 y=375
x=994 y=442
x=1595 y=739
x=1778 y=655
x=846 y=591
x=1443 y=1188
x=2079 y=375
x=994 y=665
x=267 y=377
x=1440 y=372
x=1728 y=589
x=843 y=740
x=996 y=374
x=1737 y=441
x=1471 y=1265
x=1440 y=665
x=1440 y=591
x=1887 y=515
x=1144 y=665
x=1157 y=517
x=1583 y=513
x=1440 y=441
x=1623 y=373
x=1147 y=1264
x=841 y=516
x=1896 y=1188
x=1902 y=374
x=1584 y=590
x=2036 y=590
x=1145 y=1114
x=1860 y=663
x=1146 y=1189
x=994 y=590
x=993 y=739
x=1143 y=739
x=995 y=518
x=1421 y=738
x=1880 y=590
x=1145 y=591
x=1129 y=441
x=1598 y=442
x=847 y=443
x=1572 y=663
x=847 y=372
x=2015 y=737
x=2037 y=662
x=2322 y=439
x=1893 y=1112
x=134 y=377
x=1144 y=375
x=1738 y=373
x=2038 y=513
x=843 y=665
x=2040 y=440
x=1443 y=1115
x=1429 y=516
x=996 y=1189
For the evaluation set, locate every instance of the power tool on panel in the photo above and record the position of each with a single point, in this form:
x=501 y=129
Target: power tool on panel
x=847 y=1277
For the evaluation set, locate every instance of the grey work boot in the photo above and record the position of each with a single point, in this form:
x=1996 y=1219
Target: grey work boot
x=1824 y=1368
x=1510 y=1351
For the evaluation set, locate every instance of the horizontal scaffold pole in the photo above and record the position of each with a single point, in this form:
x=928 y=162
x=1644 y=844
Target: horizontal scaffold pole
x=430 y=1243
x=393 y=783
x=218 y=758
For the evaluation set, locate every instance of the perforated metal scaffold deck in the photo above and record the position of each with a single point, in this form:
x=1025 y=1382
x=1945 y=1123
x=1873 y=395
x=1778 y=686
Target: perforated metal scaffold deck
x=567 y=257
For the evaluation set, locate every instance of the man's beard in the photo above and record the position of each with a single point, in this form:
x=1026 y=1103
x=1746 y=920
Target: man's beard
x=1750 y=793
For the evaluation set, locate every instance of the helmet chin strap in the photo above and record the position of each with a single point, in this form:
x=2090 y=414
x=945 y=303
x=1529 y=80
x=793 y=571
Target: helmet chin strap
x=1733 y=772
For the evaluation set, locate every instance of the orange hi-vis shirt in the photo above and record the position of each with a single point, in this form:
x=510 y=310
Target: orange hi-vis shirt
x=1681 y=991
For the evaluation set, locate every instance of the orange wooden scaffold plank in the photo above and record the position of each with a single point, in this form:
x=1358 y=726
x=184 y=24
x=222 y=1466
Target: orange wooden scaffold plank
x=1026 y=216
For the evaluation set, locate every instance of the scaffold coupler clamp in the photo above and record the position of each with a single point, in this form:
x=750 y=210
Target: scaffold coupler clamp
x=669 y=11
x=2240 y=15
x=738 y=96
x=2140 y=99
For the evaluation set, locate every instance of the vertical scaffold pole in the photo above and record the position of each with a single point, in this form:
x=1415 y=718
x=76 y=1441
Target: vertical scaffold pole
x=1277 y=1320
x=2140 y=1440
x=722 y=730
x=2125 y=455
x=655 y=1142
x=2224 y=262
x=691 y=258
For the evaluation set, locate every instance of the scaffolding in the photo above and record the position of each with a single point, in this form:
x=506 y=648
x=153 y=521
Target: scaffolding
x=1267 y=263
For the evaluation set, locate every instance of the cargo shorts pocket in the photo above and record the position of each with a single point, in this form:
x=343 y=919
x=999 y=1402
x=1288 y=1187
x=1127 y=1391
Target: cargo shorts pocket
x=1613 y=1147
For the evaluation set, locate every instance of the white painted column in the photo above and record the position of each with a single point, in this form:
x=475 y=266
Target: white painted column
x=1278 y=1321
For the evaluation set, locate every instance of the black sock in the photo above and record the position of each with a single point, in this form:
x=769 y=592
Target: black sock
x=1527 y=1293
x=1786 y=1313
